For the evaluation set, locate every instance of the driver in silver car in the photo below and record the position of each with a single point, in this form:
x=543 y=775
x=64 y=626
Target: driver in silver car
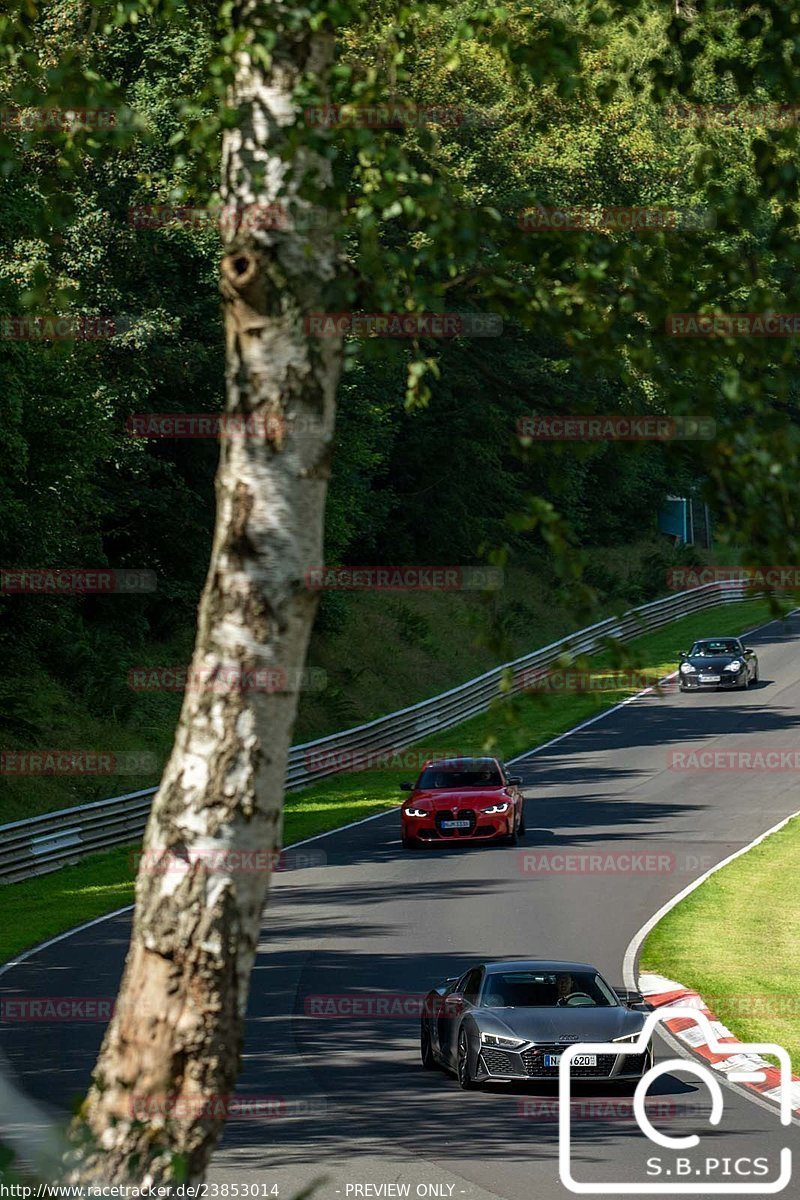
x=564 y=987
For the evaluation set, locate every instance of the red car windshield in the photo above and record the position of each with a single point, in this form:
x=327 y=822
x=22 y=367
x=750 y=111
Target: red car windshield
x=435 y=777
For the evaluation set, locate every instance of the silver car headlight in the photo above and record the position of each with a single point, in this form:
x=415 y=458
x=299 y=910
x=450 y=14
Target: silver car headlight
x=736 y=665
x=687 y=669
x=492 y=1039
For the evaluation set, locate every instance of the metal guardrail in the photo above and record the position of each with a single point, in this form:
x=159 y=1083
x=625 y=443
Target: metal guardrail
x=40 y=844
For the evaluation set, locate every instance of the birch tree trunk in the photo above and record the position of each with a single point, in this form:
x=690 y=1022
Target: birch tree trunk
x=172 y=1050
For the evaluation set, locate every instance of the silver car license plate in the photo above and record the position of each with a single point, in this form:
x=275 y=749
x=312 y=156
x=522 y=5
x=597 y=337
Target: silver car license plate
x=456 y=824
x=710 y=678
x=580 y=1060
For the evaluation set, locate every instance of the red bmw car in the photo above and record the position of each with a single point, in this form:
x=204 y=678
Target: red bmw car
x=460 y=800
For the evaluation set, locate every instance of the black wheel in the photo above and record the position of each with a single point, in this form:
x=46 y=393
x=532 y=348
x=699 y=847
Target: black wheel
x=512 y=839
x=744 y=686
x=426 y=1048
x=465 y=1080
x=410 y=843
x=522 y=821
x=755 y=676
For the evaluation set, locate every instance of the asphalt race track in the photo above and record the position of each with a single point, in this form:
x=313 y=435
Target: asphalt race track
x=351 y=1102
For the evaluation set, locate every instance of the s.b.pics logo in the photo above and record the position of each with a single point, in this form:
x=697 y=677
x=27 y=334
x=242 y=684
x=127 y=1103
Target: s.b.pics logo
x=684 y=1166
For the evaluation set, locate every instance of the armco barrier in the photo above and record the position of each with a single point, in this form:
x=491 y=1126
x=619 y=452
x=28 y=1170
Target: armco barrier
x=41 y=844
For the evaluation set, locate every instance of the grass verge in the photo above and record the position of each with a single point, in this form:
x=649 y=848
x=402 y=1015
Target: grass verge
x=736 y=940
x=378 y=652
x=37 y=909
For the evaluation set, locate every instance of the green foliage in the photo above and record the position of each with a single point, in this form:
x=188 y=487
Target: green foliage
x=564 y=104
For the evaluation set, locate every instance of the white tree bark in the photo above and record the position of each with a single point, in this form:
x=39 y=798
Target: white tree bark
x=174 y=1042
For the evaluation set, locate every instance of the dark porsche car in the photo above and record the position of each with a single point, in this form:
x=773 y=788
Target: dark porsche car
x=718 y=663
x=505 y=1022
x=462 y=799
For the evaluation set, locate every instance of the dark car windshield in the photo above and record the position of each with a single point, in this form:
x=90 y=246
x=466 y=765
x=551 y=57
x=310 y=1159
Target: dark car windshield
x=440 y=777
x=710 y=649
x=547 y=989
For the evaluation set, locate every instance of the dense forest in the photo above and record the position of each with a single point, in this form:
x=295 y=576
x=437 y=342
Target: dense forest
x=429 y=465
x=535 y=213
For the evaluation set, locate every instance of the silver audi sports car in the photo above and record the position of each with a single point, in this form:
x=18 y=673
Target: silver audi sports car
x=510 y=1021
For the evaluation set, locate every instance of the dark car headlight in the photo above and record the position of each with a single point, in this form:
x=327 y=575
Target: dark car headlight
x=505 y=1043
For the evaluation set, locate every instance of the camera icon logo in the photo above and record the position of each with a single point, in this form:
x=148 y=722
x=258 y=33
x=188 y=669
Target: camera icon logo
x=751 y=1072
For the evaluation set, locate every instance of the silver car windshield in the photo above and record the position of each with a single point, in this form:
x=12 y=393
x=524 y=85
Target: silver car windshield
x=547 y=989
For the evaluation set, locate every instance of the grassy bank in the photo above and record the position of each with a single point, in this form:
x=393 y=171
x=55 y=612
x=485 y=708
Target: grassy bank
x=379 y=651
x=736 y=940
x=40 y=908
